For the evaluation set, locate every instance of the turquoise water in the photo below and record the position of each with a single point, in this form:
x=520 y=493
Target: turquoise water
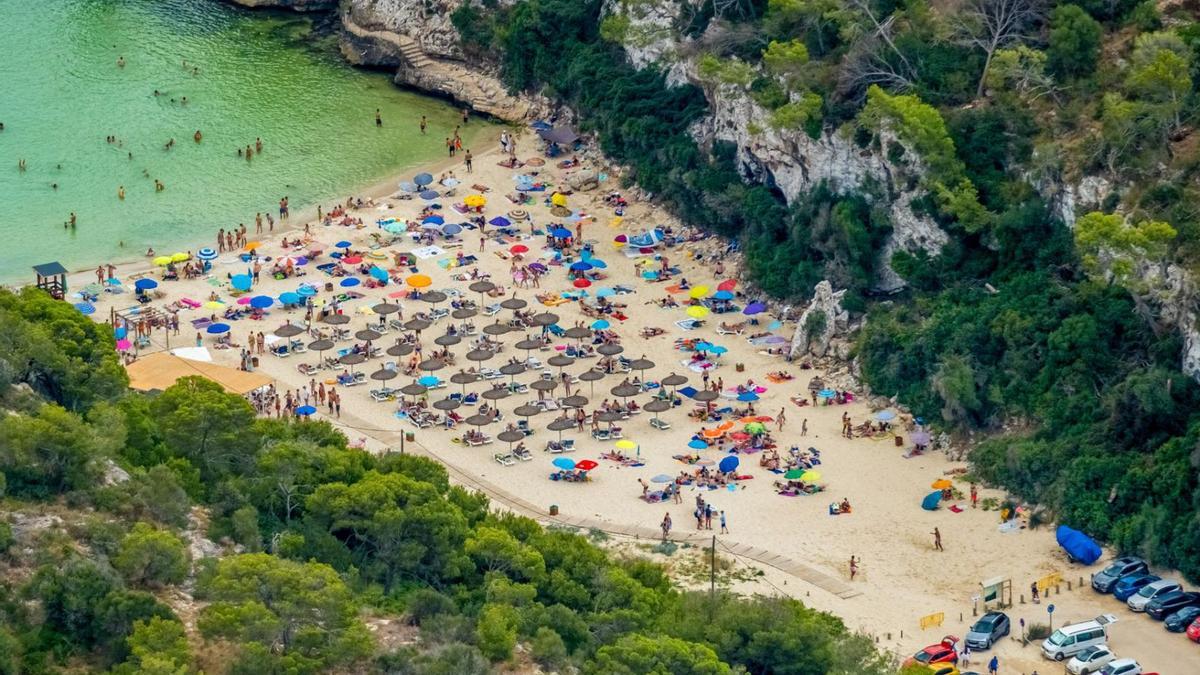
x=262 y=75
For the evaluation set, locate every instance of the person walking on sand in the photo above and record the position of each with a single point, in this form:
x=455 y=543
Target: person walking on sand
x=994 y=666
x=482 y=241
x=467 y=158
x=974 y=496
x=466 y=116
x=1033 y=593
x=378 y=118
x=804 y=427
x=724 y=526
x=937 y=539
x=779 y=421
x=853 y=567
x=666 y=526
x=424 y=124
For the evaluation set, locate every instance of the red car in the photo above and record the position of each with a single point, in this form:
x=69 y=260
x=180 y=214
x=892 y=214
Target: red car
x=942 y=652
x=1193 y=631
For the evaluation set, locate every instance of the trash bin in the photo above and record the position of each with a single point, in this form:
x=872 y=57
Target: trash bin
x=410 y=436
x=899 y=441
x=328 y=286
x=741 y=367
x=554 y=509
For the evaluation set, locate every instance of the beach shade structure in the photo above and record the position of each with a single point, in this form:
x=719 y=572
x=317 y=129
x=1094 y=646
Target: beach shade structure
x=290 y=298
x=697 y=311
x=518 y=249
x=921 y=438
x=417 y=325
x=931 y=501
x=433 y=220
x=500 y=222
x=482 y=287
x=379 y=274
x=480 y=355
x=145 y=284
x=575 y=401
x=747 y=397
x=697 y=444
x=657 y=406
x=514 y=304
x=626 y=390
x=885 y=415
x=241 y=282
x=343 y=244
x=722 y=295
x=162 y=260
x=463 y=313
x=497 y=329
x=349 y=282
x=586 y=465
x=941 y=484
x=793 y=474
x=578 y=332
x=385 y=308
x=610 y=349
x=527 y=410
x=560 y=361
x=422 y=179
x=607 y=416
x=447 y=404
x=1080 y=547
x=306 y=290
x=352 y=260
x=288 y=330
x=336 y=319
x=352 y=359
x=590 y=376
x=413 y=389
x=399 y=349
x=545 y=319
x=368 y=335
x=447 y=340
x=430 y=365
x=674 y=380
x=754 y=308
x=581 y=283
x=755 y=428
x=480 y=420
x=560 y=233
x=564 y=463
x=827 y=393
x=512 y=370
x=600 y=324
x=558 y=199
x=511 y=436
x=475 y=201
x=544 y=385
x=451 y=229
x=428 y=195
x=433 y=297
x=580 y=266
x=727 y=285
x=464 y=379
x=496 y=393
x=626 y=444
x=206 y=254
x=810 y=476
x=261 y=301
x=706 y=396
x=217 y=328
x=697 y=292
x=320 y=346
x=728 y=464
x=124 y=345
x=384 y=374
x=395 y=227
x=662 y=478
x=306 y=410
x=418 y=280
x=641 y=364
x=529 y=344
x=408 y=186
x=560 y=425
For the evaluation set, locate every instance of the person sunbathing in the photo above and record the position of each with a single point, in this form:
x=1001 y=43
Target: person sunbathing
x=844 y=507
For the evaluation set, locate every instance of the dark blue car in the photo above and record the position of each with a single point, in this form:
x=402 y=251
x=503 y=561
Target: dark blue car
x=1130 y=585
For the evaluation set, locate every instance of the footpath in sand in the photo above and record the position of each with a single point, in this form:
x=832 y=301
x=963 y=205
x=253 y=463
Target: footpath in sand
x=803 y=550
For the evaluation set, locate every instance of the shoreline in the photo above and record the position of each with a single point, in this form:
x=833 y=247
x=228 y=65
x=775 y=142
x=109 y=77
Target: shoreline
x=380 y=189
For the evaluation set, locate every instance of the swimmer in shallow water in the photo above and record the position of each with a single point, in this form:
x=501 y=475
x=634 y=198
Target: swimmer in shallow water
x=197 y=136
x=120 y=61
x=121 y=192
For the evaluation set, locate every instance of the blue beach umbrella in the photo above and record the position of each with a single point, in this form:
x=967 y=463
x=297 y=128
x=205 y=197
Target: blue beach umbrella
x=598 y=263
x=754 y=308
x=500 y=221
x=728 y=464
x=718 y=350
x=580 y=266
x=565 y=463
x=145 y=284
x=242 y=282
x=600 y=324
x=650 y=274
x=423 y=179
x=428 y=381
x=306 y=410
x=560 y=233
x=206 y=254
x=428 y=195
x=931 y=501
x=662 y=478
x=379 y=273
x=261 y=301
x=605 y=292
x=827 y=393
x=343 y=244
x=697 y=444
x=408 y=186
x=120 y=332
x=350 y=281
x=306 y=291
x=775 y=325
x=395 y=227
x=747 y=396
x=436 y=220
x=885 y=415
x=703 y=346
x=85 y=307
x=451 y=229
x=290 y=298
x=722 y=295
x=217 y=328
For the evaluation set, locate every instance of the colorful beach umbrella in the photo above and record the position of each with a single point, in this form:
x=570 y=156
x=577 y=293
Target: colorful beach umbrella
x=475 y=201
x=728 y=464
x=242 y=282
x=500 y=221
x=290 y=298
x=581 y=283
x=261 y=301
x=600 y=324
x=422 y=179
x=306 y=410
x=162 y=260
x=518 y=248
x=941 y=484
x=217 y=328
x=580 y=266
x=565 y=463
x=418 y=281
x=662 y=478
x=722 y=295
x=124 y=345
x=379 y=273
x=451 y=229
x=560 y=233
x=697 y=444
x=180 y=257
x=754 y=308
x=626 y=444
x=793 y=474
x=698 y=292
x=429 y=381
x=727 y=285
x=428 y=195
x=605 y=292
x=145 y=284
x=434 y=220
x=885 y=415
x=350 y=281
x=697 y=311
x=343 y=244
x=586 y=465
x=810 y=476
x=206 y=254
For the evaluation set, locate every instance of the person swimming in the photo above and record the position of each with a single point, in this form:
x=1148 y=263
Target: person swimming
x=158 y=186
x=70 y=221
x=120 y=61
x=249 y=152
x=121 y=192
x=258 y=145
x=197 y=136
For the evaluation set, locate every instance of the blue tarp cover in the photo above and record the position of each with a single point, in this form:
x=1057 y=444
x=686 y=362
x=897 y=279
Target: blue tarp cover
x=1077 y=545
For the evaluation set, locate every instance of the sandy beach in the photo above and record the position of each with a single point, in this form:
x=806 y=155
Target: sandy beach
x=901 y=577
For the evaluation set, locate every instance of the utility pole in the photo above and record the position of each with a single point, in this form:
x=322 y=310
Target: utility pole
x=712 y=576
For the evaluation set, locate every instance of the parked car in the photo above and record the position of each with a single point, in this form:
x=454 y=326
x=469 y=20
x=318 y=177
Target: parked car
x=1074 y=638
x=1168 y=603
x=1193 y=631
x=1090 y=660
x=942 y=652
x=1104 y=580
x=987 y=630
x=1122 y=667
x=1131 y=584
x=1138 y=601
x=1181 y=619
x=943 y=669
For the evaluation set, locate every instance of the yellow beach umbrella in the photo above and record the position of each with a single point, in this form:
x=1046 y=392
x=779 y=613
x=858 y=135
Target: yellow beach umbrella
x=941 y=484
x=558 y=199
x=179 y=257
x=810 y=476
x=253 y=245
x=213 y=304
x=418 y=281
x=697 y=311
x=626 y=444
x=162 y=260
x=698 y=292
x=475 y=201
x=365 y=310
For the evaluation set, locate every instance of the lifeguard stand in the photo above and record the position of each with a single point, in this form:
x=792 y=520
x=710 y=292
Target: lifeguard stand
x=52 y=278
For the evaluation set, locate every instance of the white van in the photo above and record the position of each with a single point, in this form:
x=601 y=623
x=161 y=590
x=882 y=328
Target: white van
x=1070 y=640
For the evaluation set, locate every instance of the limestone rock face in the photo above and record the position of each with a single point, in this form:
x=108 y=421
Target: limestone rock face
x=820 y=322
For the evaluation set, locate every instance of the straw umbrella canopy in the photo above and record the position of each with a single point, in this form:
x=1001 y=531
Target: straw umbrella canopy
x=626 y=390
x=544 y=385
x=447 y=340
x=545 y=319
x=385 y=308
x=480 y=355
x=417 y=325
x=560 y=361
x=511 y=436
x=447 y=404
x=496 y=393
x=482 y=287
x=464 y=313
x=560 y=425
x=578 y=332
x=320 y=346
x=657 y=406
x=464 y=379
x=514 y=303
x=706 y=396
x=480 y=420
x=383 y=374
x=674 y=380
x=336 y=319
x=288 y=330
x=352 y=359
x=368 y=335
x=610 y=350
x=399 y=349
x=527 y=410
x=512 y=370
x=575 y=401
x=606 y=416
x=529 y=344
x=497 y=328
x=431 y=365
x=641 y=364
x=590 y=376
x=433 y=297
x=413 y=389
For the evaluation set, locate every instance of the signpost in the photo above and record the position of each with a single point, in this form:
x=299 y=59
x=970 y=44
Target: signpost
x=1050 y=612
